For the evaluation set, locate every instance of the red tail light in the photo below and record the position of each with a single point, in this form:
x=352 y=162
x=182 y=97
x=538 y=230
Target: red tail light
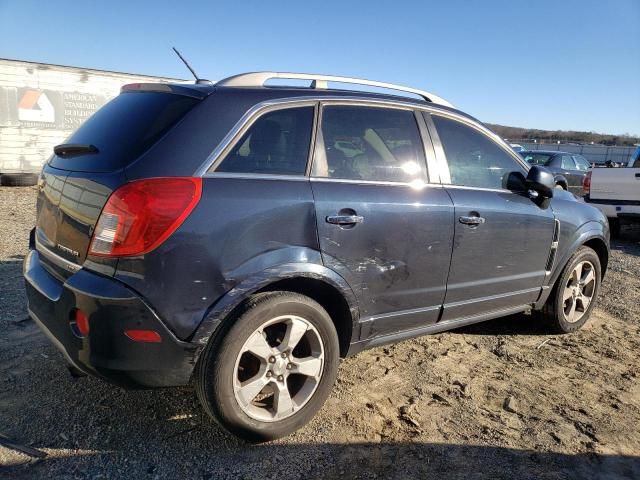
x=140 y=215
x=586 y=183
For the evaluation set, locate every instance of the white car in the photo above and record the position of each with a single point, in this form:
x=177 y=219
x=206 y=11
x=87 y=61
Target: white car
x=616 y=192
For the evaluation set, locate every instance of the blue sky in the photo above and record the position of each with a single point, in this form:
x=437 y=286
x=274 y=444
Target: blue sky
x=567 y=64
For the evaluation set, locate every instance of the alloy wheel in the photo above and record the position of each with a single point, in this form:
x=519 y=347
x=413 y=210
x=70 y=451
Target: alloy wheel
x=578 y=291
x=278 y=368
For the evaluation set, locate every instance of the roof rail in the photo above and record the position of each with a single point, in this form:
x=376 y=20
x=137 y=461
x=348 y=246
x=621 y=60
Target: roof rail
x=258 y=79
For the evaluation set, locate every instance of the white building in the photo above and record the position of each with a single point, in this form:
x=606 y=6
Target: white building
x=41 y=105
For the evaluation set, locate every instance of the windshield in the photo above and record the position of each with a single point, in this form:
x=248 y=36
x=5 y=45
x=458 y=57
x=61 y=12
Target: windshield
x=533 y=158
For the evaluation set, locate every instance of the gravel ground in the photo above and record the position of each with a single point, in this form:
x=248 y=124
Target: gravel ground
x=495 y=400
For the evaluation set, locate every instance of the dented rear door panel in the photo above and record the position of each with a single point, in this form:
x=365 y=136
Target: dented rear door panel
x=397 y=259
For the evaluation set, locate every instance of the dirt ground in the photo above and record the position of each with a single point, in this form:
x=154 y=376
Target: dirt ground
x=495 y=400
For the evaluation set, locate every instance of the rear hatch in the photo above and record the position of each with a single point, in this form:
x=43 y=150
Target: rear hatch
x=81 y=175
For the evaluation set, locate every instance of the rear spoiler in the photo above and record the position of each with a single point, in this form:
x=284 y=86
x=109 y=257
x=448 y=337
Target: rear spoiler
x=187 y=90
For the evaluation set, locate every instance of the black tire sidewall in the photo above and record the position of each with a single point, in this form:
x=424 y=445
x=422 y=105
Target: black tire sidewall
x=614 y=227
x=584 y=253
x=218 y=368
x=18 y=179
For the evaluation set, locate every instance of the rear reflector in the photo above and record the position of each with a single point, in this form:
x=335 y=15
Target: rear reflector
x=79 y=323
x=145 y=336
x=140 y=215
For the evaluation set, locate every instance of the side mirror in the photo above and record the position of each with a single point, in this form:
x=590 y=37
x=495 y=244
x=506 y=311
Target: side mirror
x=541 y=181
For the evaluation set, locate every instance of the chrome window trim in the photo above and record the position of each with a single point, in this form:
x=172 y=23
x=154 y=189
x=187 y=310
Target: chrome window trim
x=317 y=115
x=487 y=133
x=256 y=176
x=321 y=151
x=483 y=189
x=441 y=165
x=318 y=146
x=250 y=116
x=56 y=259
x=433 y=173
x=241 y=127
x=419 y=184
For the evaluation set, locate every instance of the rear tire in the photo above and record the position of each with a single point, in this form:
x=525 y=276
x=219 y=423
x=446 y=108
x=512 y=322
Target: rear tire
x=574 y=295
x=271 y=368
x=18 y=179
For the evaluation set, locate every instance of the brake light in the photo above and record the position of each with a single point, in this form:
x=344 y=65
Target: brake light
x=140 y=215
x=586 y=183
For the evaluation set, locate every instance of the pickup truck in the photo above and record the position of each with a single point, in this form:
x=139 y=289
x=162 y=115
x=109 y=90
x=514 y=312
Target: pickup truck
x=616 y=192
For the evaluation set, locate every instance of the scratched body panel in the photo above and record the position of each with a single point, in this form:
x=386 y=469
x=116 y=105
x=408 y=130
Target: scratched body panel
x=397 y=259
x=240 y=228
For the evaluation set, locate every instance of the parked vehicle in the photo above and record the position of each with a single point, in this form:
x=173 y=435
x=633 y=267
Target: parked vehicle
x=247 y=237
x=569 y=169
x=616 y=192
x=634 y=161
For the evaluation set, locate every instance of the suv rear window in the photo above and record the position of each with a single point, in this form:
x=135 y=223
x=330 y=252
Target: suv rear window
x=124 y=129
x=537 y=158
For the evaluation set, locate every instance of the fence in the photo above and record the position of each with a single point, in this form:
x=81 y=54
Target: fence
x=593 y=153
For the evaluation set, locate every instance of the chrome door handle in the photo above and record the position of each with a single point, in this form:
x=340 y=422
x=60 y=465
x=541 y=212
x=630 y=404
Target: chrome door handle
x=345 y=219
x=471 y=220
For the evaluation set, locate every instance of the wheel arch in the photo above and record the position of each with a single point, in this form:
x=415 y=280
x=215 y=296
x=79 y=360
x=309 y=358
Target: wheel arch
x=315 y=281
x=329 y=297
x=600 y=247
x=562 y=181
x=594 y=238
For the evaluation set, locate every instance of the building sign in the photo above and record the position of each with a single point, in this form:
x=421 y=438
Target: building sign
x=49 y=109
x=79 y=106
x=35 y=106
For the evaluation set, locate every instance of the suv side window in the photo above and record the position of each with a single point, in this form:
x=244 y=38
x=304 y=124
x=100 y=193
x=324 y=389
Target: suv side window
x=277 y=143
x=581 y=163
x=568 y=163
x=474 y=159
x=369 y=143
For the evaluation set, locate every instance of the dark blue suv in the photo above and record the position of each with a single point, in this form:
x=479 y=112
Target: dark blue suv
x=245 y=236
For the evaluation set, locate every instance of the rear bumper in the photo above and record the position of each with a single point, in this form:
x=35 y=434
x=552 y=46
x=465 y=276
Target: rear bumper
x=624 y=210
x=111 y=308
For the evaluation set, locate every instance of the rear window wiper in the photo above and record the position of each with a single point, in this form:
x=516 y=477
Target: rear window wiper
x=72 y=149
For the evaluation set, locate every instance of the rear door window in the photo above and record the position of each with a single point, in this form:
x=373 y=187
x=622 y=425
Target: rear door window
x=369 y=143
x=474 y=159
x=124 y=129
x=533 y=158
x=582 y=163
x=568 y=163
x=276 y=144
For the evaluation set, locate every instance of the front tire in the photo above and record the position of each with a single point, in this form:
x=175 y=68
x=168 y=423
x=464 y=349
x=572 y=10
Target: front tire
x=573 y=297
x=271 y=368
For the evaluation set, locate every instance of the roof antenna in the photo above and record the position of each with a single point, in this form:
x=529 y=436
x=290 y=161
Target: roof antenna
x=198 y=80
